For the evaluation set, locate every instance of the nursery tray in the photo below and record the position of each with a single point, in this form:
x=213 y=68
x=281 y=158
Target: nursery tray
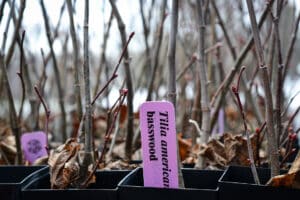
x=237 y=183
x=11 y=178
x=105 y=187
x=199 y=184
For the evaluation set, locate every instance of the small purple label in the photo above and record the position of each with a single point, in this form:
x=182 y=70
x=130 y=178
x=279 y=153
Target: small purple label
x=159 y=144
x=34 y=145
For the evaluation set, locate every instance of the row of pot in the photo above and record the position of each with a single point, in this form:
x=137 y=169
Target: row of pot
x=33 y=183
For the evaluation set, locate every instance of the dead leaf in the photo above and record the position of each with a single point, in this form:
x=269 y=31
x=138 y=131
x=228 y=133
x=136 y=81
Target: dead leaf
x=291 y=179
x=227 y=150
x=64 y=167
x=236 y=149
x=214 y=159
x=120 y=165
x=41 y=161
x=8 y=153
x=185 y=146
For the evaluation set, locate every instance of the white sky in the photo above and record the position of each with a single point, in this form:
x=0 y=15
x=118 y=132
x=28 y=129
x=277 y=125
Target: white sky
x=34 y=24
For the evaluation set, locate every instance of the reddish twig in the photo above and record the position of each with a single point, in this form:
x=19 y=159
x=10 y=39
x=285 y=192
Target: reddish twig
x=188 y=66
x=235 y=90
x=290 y=121
x=290 y=153
x=123 y=94
x=47 y=111
x=114 y=74
x=259 y=140
x=129 y=85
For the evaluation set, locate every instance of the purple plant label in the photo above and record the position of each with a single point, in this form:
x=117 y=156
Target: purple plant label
x=159 y=144
x=34 y=145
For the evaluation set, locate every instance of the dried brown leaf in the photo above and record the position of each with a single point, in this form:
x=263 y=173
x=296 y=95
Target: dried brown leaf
x=64 y=167
x=229 y=149
x=291 y=179
x=9 y=153
x=213 y=158
x=236 y=149
x=185 y=146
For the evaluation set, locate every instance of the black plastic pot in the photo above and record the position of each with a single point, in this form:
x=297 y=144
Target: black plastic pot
x=199 y=184
x=237 y=183
x=11 y=178
x=37 y=187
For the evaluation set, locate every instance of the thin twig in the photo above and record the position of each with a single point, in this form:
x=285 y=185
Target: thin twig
x=272 y=143
x=188 y=66
x=290 y=48
x=103 y=51
x=146 y=35
x=123 y=94
x=55 y=32
x=290 y=121
x=172 y=54
x=155 y=59
x=76 y=61
x=130 y=117
x=226 y=35
x=289 y=103
x=235 y=90
x=15 y=125
x=46 y=109
x=20 y=74
x=41 y=84
x=16 y=32
x=223 y=88
x=195 y=123
x=56 y=71
x=114 y=74
x=4 y=40
x=232 y=51
x=2 y=6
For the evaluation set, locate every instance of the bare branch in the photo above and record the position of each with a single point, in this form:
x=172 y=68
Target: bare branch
x=56 y=71
x=103 y=56
x=130 y=117
x=47 y=111
x=205 y=107
x=15 y=125
x=272 y=143
x=222 y=90
x=114 y=74
x=20 y=74
x=290 y=48
x=76 y=61
x=16 y=32
x=154 y=64
x=235 y=90
x=88 y=147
